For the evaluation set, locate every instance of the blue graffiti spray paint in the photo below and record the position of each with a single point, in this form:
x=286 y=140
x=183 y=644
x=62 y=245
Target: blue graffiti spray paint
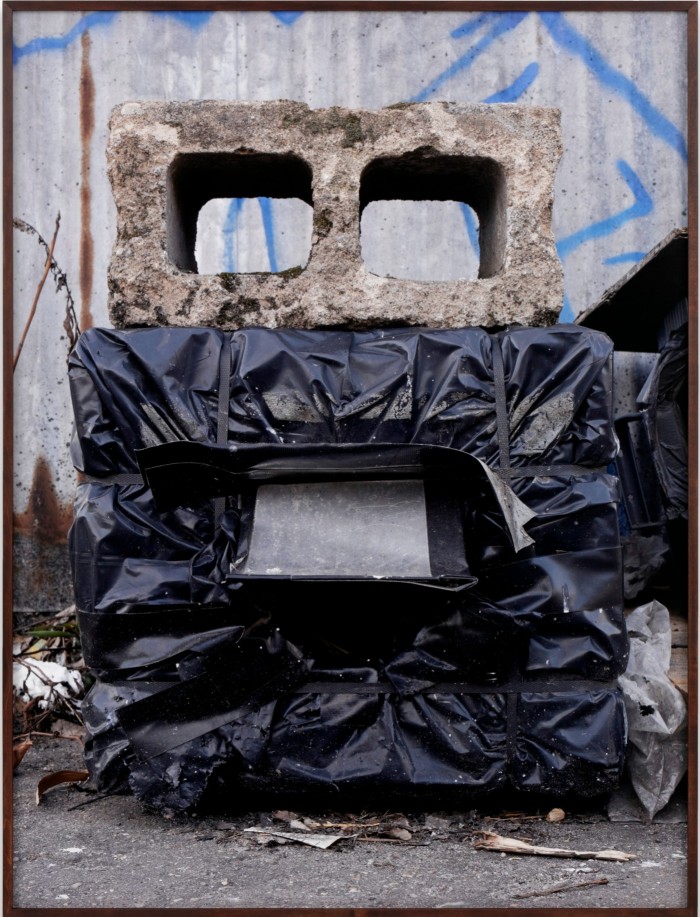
x=193 y=20
x=61 y=42
x=473 y=25
x=231 y=224
x=229 y=232
x=503 y=23
x=472 y=231
x=517 y=87
x=287 y=18
x=626 y=258
x=268 y=226
x=567 y=312
x=642 y=206
x=566 y=36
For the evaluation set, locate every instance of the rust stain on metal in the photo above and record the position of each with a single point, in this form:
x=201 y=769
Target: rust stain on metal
x=87 y=127
x=45 y=517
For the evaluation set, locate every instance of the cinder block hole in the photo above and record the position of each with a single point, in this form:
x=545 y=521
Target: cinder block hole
x=411 y=207
x=245 y=235
x=420 y=240
x=195 y=179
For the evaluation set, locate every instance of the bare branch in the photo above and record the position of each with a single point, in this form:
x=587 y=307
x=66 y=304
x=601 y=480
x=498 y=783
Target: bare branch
x=70 y=322
x=40 y=287
x=564 y=887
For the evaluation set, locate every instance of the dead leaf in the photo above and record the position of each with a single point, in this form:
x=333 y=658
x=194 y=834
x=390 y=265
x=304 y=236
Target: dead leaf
x=19 y=751
x=556 y=815
x=398 y=821
x=58 y=778
x=486 y=840
x=322 y=841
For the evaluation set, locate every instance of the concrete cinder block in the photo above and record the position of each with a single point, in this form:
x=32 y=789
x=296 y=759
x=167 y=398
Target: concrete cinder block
x=167 y=159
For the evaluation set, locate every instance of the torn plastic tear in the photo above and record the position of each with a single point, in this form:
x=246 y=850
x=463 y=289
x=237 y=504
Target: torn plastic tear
x=448 y=478
x=214 y=676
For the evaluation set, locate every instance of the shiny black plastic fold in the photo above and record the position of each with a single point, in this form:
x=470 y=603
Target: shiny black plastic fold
x=235 y=650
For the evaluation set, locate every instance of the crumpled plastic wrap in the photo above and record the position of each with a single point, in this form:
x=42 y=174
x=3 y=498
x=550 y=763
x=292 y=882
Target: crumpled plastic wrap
x=492 y=662
x=664 y=406
x=656 y=710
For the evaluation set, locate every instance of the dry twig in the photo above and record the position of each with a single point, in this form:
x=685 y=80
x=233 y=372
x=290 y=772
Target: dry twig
x=486 y=840
x=70 y=322
x=564 y=887
x=40 y=287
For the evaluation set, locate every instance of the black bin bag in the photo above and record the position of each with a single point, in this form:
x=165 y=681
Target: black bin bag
x=383 y=561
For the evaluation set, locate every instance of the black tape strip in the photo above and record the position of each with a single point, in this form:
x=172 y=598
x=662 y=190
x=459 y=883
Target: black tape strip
x=555 y=684
x=191 y=709
x=511 y=727
x=502 y=421
x=539 y=471
x=222 y=414
x=123 y=479
x=146 y=636
x=238 y=676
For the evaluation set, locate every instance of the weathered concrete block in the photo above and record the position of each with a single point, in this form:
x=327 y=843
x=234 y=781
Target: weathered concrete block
x=167 y=159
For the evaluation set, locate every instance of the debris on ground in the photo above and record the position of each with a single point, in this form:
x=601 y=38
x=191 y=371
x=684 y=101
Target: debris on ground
x=555 y=815
x=59 y=778
x=657 y=752
x=48 y=677
x=19 y=750
x=323 y=831
x=269 y=835
x=487 y=840
x=563 y=887
x=45 y=681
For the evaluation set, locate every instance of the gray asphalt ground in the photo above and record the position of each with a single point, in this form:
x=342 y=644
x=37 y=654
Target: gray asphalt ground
x=107 y=852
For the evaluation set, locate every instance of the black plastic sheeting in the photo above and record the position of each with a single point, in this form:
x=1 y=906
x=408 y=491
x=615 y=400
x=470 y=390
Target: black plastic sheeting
x=495 y=667
x=664 y=407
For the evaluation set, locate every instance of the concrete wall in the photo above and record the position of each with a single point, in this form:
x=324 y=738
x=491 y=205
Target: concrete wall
x=619 y=79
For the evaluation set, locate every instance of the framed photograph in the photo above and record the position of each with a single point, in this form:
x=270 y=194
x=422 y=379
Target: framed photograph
x=371 y=171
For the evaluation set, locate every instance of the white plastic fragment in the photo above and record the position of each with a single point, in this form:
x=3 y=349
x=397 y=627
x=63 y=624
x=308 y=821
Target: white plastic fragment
x=516 y=513
x=322 y=841
x=656 y=711
x=43 y=680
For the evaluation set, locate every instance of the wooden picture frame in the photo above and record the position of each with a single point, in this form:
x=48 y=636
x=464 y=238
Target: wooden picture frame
x=36 y=475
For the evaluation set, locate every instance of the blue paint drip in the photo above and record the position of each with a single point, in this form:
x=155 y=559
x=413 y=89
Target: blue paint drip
x=504 y=22
x=193 y=20
x=61 y=42
x=229 y=232
x=472 y=231
x=268 y=225
x=626 y=257
x=518 y=86
x=567 y=312
x=642 y=205
x=288 y=18
x=567 y=37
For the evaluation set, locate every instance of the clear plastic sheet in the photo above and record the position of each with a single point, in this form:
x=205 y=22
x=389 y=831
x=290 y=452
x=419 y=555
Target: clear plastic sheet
x=656 y=710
